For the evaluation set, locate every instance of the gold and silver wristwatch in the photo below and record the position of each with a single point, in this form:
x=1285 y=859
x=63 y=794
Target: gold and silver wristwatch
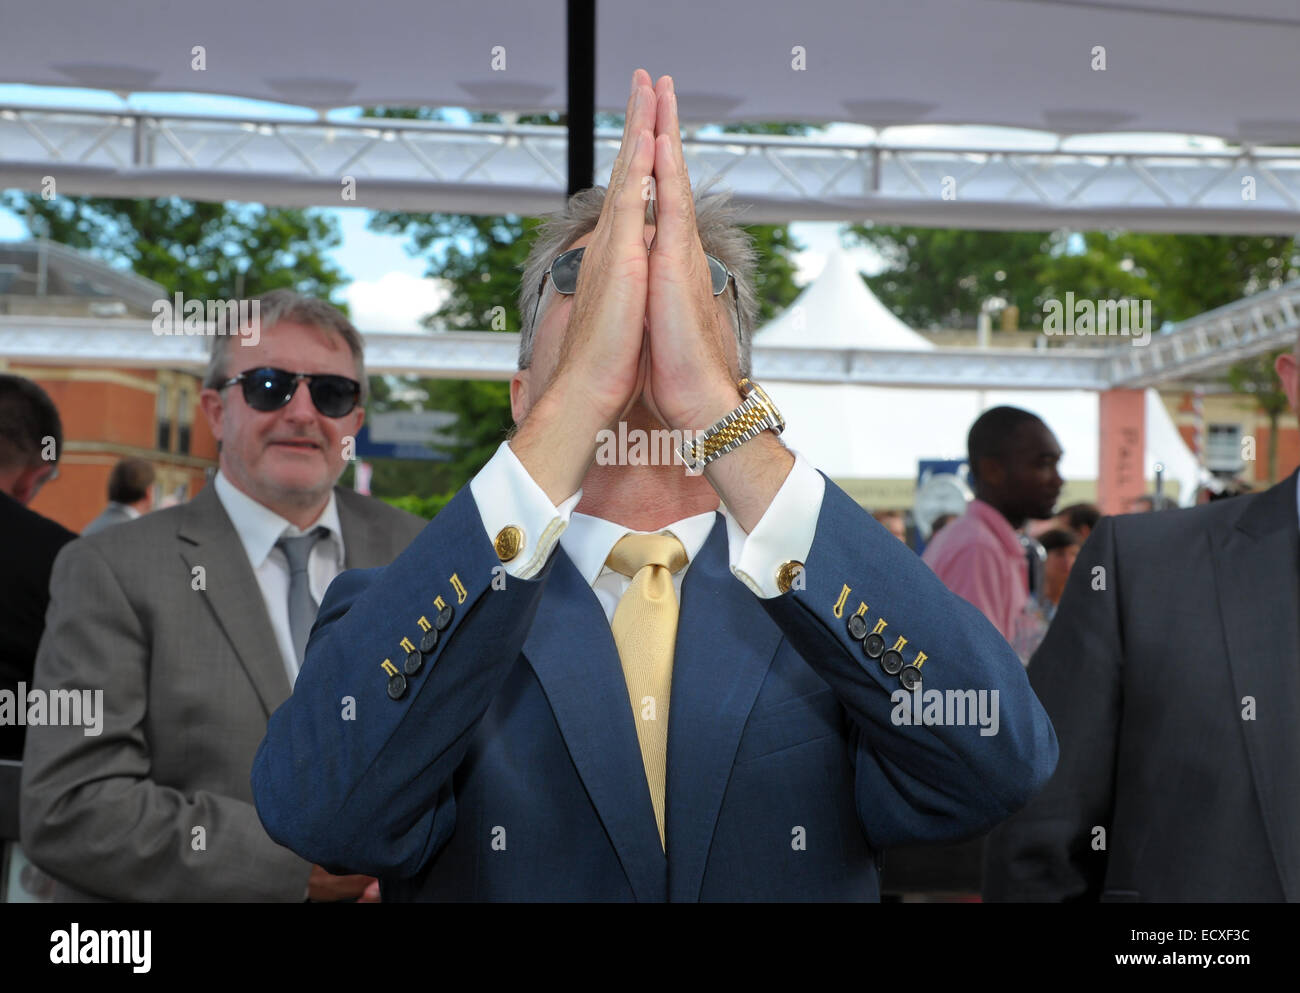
x=756 y=414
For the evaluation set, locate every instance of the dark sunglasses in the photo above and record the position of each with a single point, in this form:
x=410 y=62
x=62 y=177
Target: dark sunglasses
x=564 y=276
x=270 y=389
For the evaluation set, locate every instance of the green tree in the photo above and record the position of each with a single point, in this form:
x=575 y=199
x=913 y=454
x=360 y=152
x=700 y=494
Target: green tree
x=940 y=278
x=1255 y=378
x=203 y=250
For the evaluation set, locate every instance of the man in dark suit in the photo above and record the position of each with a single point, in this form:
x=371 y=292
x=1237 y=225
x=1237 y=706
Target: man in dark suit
x=31 y=439
x=1172 y=674
x=128 y=495
x=534 y=723
x=191 y=621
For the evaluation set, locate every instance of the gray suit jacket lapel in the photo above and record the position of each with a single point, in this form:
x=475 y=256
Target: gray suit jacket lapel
x=209 y=541
x=365 y=544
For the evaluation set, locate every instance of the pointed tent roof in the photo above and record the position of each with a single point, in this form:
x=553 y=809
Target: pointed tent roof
x=837 y=310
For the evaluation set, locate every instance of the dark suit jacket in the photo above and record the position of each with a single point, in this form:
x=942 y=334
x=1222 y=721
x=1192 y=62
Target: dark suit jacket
x=190 y=670
x=30 y=543
x=1176 y=695
x=506 y=767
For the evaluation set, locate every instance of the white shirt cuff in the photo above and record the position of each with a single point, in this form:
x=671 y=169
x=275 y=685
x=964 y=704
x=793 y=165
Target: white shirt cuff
x=506 y=494
x=783 y=534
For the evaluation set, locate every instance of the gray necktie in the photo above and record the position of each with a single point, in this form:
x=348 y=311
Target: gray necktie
x=302 y=606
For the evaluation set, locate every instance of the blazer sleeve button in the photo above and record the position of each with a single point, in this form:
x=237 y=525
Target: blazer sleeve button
x=891 y=662
x=444 y=617
x=857 y=627
x=396 y=686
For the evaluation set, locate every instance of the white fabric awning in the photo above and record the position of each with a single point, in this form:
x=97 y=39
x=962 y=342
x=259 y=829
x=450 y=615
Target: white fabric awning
x=1183 y=66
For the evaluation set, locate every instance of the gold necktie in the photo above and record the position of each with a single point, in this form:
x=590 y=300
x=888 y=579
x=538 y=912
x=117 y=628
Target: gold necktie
x=645 y=630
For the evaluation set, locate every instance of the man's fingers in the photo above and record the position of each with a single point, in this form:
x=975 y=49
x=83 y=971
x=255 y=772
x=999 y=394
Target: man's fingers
x=640 y=116
x=676 y=215
x=667 y=123
x=676 y=208
x=639 y=78
x=629 y=196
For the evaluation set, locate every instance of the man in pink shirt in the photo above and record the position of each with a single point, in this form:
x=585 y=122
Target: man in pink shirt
x=1013 y=458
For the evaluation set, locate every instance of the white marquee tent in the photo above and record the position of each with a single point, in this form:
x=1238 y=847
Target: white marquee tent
x=874 y=432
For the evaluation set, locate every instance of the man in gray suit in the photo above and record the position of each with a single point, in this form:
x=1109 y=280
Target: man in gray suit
x=189 y=626
x=128 y=495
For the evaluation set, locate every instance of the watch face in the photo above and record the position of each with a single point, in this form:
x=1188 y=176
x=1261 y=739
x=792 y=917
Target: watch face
x=768 y=405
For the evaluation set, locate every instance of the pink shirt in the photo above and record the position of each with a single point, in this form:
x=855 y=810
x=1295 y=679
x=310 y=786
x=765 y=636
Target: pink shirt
x=979 y=557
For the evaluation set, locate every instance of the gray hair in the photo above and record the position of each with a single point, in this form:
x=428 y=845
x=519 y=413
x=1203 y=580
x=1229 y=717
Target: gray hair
x=274 y=308
x=720 y=234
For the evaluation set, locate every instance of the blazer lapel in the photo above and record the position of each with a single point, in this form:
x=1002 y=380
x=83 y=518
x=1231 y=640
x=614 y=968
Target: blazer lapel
x=208 y=541
x=364 y=545
x=725 y=644
x=1256 y=566
x=571 y=648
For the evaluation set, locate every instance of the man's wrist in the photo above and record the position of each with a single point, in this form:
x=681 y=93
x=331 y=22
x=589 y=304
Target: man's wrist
x=748 y=479
x=556 y=443
x=722 y=400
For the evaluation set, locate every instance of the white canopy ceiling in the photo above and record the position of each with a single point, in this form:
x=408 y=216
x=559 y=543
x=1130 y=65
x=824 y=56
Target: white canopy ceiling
x=1186 y=66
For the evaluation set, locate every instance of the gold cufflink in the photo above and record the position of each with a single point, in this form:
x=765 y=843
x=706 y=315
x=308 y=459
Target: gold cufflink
x=509 y=541
x=785 y=575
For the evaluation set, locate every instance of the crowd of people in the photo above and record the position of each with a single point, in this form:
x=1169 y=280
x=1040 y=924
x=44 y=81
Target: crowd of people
x=287 y=691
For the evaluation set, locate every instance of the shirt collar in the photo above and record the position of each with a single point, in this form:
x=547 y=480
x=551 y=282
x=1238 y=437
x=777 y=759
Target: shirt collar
x=589 y=540
x=259 y=527
x=992 y=518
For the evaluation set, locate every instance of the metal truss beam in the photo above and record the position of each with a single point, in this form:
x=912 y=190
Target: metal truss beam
x=512 y=168
x=1258 y=324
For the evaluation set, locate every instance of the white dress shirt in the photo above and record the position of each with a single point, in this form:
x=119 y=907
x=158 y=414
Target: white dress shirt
x=259 y=527
x=506 y=494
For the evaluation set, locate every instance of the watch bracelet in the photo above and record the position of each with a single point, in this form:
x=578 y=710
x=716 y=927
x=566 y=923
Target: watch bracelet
x=743 y=426
x=726 y=434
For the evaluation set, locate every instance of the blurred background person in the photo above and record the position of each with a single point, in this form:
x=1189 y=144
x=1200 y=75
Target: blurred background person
x=128 y=494
x=1013 y=460
x=1080 y=518
x=1172 y=676
x=1062 y=547
x=31 y=439
x=193 y=622
x=940 y=522
x=893 y=522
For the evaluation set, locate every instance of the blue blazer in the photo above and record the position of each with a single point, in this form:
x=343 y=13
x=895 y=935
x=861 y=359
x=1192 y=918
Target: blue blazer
x=506 y=766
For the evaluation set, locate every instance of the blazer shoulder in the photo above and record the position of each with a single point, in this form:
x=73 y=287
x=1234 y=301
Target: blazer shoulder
x=1166 y=527
x=30 y=529
x=399 y=522
x=140 y=532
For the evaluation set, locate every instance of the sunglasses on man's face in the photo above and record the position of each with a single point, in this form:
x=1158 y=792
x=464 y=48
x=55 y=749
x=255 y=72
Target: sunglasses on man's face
x=564 y=277
x=269 y=389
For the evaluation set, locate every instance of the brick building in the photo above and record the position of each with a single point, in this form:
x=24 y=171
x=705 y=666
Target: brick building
x=108 y=413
